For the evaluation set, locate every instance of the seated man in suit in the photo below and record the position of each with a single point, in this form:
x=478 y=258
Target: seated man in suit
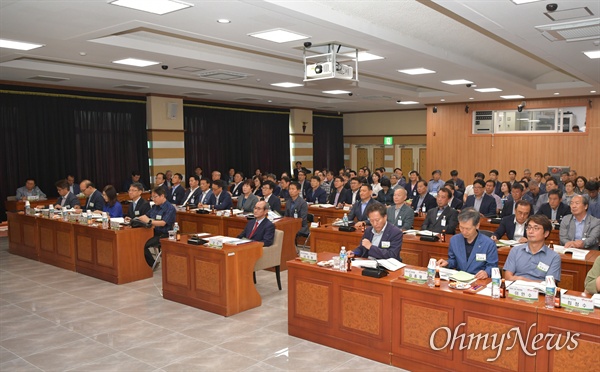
x=73 y=187
x=192 y=195
x=238 y=181
x=442 y=218
x=580 y=229
x=339 y=194
x=457 y=183
x=220 y=200
x=513 y=226
x=354 y=191
x=543 y=199
x=176 y=193
x=284 y=184
x=162 y=217
x=423 y=198
x=95 y=201
x=260 y=229
x=296 y=207
x=400 y=214
x=489 y=190
x=381 y=239
x=66 y=199
x=456 y=200
x=304 y=184
x=483 y=203
x=299 y=168
x=554 y=209
x=247 y=200
x=357 y=212
x=316 y=194
x=516 y=194
x=268 y=188
x=139 y=206
x=30 y=189
x=135 y=177
x=159 y=181
x=215 y=176
x=534 y=193
x=205 y=192
x=471 y=251
x=533 y=261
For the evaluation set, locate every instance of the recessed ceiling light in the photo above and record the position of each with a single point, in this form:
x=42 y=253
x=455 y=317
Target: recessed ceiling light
x=442 y=100
x=519 y=2
x=364 y=56
x=556 y=93
x=514 y=96
x=159 y=7
x=19 y=45
x=592 y=91
x=135 y=62
x=417 y=71
x=278 y=35
x=286 y=85
x=223 y=20
x=488 y=90
x=592 y=54
x=457 y=82
x=337 y=91
x=270 y=101
x=471 y=98
x=407 y=102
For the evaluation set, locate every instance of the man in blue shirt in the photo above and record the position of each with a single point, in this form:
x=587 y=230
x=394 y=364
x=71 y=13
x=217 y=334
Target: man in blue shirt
x=533 y=261
x=162 y=217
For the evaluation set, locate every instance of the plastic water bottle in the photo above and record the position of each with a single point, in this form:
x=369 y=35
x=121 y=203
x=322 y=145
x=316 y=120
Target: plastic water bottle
x=104 y=220
x=27 y=208
x=496 y=283
x=550 y=291
x=65 y=216
x=51 y=210
x=345 y=220
x=89 y=217
x=343 y=263
x=176 y=229
x=431 y=272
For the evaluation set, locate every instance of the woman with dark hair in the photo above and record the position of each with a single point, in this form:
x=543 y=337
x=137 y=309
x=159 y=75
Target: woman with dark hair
x=580 y=185
x=386 y=194
x=111 y=206
x=376 y=185
x=247 y=200
x=411 y=186
x=505 y=189
x=257 y=185
x=569 y=192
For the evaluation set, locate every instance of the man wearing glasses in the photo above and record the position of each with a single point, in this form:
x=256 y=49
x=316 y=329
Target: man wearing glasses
x=260 y=229
x=533 y=261
x=138 y=206
x=162 y=217
x=482 y=202
x=471 y=251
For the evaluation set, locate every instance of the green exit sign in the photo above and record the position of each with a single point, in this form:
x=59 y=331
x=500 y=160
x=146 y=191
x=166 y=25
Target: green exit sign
x=388 y=141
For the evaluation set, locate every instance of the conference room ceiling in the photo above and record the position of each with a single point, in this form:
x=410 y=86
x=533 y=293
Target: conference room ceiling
x=494 y=44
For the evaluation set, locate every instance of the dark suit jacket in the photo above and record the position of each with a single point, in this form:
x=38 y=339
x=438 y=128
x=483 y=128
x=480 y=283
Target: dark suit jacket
x=429 y=202
x=507 y=210
x=392 y=236
x=488 y=205
x=305 y=188
x=562 y=211
x=274 y=203
x=76 y=189
x=355 y=210
x=95 y=201
x=342 y=198
x=456 y=203
x=176 y=195
x=411 y=192
x=296 y=170
x=265 y=232
x=142 y=207
x=71 y=200
x=433 y=223
x=319 y=196
x=387 y=199
x=236 y=190
x=284 y=194
x=277 y=190
x=300 y=207
x=507 y=226
x=195 y=198
x=460 y=183
x=224 y=201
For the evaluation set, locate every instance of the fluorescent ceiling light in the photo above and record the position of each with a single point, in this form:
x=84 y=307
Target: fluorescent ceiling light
x=364 y=56
x=407 y=102
x=223 y=20
x=417 y=71
x=287 y=85
x=136 y=62
x=457 y=82
x=488 y=90
x=514 y=96
x=519 y=2
x=278 y=36
x=337 y=91
x=153 y=6
x=20 y=45
x=592 y=54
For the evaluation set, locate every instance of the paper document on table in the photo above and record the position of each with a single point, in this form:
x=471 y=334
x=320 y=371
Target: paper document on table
x=324 y=205
x=446 y=273
x=364 y=263
x=235 y=241
x=411 y=232
x=596 y=299
x=508 y=242
x=391 y=264
x=540 y=286
x=426 y=233
x=117 y=219
x=577 y=252
x=463 y=276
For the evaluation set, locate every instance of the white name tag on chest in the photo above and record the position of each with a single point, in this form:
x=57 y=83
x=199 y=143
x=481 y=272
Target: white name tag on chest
x=159 y=217
x=385 y=244
x=481 y=257
x=137 y=213
x=543 y=267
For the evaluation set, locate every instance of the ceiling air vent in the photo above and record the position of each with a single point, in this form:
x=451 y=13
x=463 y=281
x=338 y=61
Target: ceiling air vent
x=572 y=31
x=48 y=78
x=196 y=94
x=131 y=87
x=221 y=75
x=563 y=15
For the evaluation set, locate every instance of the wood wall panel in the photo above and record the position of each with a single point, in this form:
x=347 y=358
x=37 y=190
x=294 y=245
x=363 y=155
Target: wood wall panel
x=451 y=145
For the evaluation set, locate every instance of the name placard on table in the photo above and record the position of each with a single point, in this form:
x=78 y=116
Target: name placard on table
x=522 y=293
x=414 y=275
x=579 y=304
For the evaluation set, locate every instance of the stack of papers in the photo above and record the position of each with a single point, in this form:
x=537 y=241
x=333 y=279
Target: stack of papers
x=323 y=205
x=540 y=286
x=391 y=264
x=508 y=242
x=463 y=276
x=596 y=299
x=365 y=263
x=576 y=251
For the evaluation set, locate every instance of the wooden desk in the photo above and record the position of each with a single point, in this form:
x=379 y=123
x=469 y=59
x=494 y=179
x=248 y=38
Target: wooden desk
x=191 y=222
x=56 y=243
x=326 y=215
x=23 y=239
x=19 y=205
x=215 y=280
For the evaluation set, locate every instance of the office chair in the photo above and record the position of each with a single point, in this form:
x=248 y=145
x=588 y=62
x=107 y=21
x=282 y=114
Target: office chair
x=310 y=218
x=271 y=257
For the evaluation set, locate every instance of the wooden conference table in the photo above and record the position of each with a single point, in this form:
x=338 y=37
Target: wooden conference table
x=192 y=222
x=112 y=255
x=215 y=280
x=391 y=320
x=415 y=252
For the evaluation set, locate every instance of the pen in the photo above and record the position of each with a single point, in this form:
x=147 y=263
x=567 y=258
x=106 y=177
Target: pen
x=476 y=287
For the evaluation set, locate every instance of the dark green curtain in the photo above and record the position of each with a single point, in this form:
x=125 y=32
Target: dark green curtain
x=46 y=134
x=224 y=137
x=328 y=142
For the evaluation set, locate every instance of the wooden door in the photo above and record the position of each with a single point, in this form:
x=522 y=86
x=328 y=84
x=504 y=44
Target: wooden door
x=423 y=163
x=406 y=160
x=378 y=157
x=362 y=157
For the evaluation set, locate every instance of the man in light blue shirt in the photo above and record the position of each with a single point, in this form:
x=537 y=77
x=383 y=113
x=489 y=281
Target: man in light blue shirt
x=435 y=183
x=30 y=189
